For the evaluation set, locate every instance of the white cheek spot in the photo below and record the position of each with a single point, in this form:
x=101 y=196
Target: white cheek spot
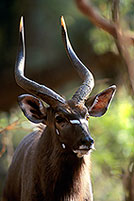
x=57 y=131
x=75 y=121
x=63 y=146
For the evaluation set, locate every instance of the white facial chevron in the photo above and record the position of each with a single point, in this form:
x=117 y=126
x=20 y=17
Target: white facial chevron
x=84 y=121
x=75 y=121
x=80 y=121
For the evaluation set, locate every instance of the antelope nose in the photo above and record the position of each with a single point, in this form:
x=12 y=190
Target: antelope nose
x=87 y=141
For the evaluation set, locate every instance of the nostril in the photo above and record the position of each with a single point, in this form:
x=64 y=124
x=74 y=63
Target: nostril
x=86 y=140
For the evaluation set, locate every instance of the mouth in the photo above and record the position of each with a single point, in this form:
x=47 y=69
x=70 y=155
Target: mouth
x=83 y=150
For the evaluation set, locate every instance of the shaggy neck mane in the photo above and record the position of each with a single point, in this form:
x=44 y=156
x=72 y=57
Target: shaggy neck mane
x=64 y=170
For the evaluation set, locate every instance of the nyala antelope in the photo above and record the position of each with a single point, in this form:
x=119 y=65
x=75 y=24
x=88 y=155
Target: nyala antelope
x=53 y=164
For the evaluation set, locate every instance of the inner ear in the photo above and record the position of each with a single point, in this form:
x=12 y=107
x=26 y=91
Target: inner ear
x=32 y=108
x=98 y=105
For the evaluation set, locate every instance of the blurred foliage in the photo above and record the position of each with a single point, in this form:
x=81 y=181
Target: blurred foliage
x=102 y=41
x=13 y=127
x=43 y=39
x=114 y=142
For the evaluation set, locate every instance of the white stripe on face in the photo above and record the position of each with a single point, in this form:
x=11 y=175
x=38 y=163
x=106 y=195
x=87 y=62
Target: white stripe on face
x=80 y=121
x=84 y=121
x=75 y=121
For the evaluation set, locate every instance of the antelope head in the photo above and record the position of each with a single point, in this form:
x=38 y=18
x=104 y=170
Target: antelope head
x=69 y=118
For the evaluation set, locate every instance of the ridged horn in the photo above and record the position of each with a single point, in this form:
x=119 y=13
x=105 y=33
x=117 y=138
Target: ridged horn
x=88 y=81
x=40 y=91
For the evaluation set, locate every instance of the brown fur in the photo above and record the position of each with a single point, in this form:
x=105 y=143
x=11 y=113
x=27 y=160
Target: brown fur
x=40 y=170
x=50 y=165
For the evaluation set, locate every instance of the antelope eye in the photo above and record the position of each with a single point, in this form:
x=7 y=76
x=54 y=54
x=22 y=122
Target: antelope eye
x=60 y=119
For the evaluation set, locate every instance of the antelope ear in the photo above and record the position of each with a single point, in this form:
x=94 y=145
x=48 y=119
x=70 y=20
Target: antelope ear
x=32 y=108
x=98 y=105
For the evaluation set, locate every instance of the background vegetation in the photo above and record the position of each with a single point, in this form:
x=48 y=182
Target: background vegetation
x=113 y=160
